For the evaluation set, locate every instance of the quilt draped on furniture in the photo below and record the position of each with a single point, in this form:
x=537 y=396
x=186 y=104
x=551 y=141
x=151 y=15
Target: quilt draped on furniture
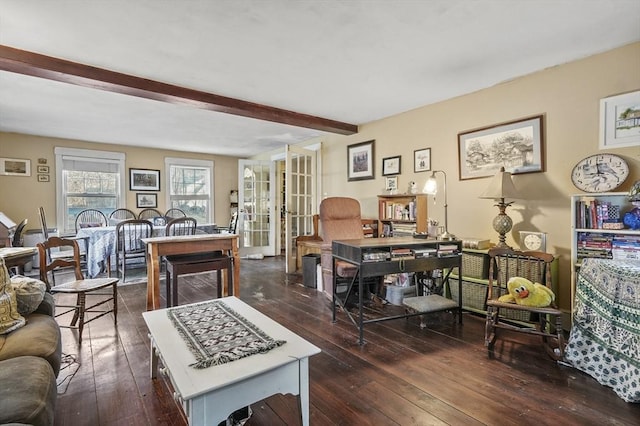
x=605 y=336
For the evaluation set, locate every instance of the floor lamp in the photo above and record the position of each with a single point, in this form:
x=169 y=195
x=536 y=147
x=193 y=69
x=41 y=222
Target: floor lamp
x=501 y=187
x=431 y=188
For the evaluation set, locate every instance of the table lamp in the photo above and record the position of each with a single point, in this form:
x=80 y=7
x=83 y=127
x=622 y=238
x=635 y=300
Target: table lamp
x=501 y=187
x=431 y=188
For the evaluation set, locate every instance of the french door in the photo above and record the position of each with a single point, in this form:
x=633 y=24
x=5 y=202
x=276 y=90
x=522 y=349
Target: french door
x=256 y=208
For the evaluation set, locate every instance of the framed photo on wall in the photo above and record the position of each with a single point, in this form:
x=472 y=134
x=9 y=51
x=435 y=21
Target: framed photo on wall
x=15 y=167
x=620 y=121
x=422 y=160
x=516 y=145
x=144 y=180
x=146 y=201
x=360 y=161
x=391 y=166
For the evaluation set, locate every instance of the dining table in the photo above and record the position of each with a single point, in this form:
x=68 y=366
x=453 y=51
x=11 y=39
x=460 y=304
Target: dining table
x=100 y=244
x=189 y=244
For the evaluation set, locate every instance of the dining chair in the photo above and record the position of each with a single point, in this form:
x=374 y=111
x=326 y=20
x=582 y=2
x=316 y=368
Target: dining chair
x=546 y=322
x=149 y=214
x=120 y=214
x=56 y=253
x=174 y=213
x=176 y=265
x=79 y=286
x=90 y=218
x=129 y=245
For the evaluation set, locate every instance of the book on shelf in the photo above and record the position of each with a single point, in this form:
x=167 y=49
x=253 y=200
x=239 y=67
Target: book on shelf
x=402 y=254
x=594 y=214
x=425 y=252
x=476 y=243
x=447 y=249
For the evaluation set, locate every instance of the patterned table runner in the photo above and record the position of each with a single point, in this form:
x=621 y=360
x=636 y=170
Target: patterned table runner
x=216 y=334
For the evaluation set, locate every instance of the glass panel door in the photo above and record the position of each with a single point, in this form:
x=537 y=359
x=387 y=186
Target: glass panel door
x=256 y=204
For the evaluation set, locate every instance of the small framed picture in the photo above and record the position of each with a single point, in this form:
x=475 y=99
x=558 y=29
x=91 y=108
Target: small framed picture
x=360 y=161
x=43 y=169
x=619 y=124
x=15 y=167
x=144 y=180
x=391 y=183
x=146 y=201
x=391 y=166
x=43 y=178
x=422 y=160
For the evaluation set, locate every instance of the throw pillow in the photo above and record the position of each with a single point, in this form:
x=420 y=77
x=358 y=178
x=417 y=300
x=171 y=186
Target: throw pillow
x=29 y=293
x=10 y=318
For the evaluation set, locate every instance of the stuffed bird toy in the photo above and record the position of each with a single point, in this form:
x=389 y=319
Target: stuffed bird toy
x=524 y=292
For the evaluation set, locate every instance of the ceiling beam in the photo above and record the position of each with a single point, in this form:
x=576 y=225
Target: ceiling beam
x=37 y=65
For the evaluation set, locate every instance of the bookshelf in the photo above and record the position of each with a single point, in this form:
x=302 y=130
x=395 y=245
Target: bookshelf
x=597 y=230
x=402 y=215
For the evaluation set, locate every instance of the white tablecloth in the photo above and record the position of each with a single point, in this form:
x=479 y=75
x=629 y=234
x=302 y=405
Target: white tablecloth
x=101 y=245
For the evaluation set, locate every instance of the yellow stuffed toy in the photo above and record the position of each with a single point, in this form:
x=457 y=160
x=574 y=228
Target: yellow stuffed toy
x=524 y=292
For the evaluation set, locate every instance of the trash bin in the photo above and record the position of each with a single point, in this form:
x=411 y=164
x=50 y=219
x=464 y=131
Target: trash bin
x=310 y=264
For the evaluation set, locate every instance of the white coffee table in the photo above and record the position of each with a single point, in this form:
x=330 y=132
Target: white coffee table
x=209 y=395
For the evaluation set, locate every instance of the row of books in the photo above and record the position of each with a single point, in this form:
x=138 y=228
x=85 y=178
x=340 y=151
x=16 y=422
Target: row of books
x=403 y=229
x=608 y=246
x=597 y=214
x=399 y=211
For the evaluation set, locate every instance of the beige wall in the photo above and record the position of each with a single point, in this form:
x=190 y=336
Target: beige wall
x=21 y=196
x=567 y=95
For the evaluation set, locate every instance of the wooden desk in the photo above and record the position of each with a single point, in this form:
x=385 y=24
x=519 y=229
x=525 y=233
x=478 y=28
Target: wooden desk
x=355 y=251
x=164 y=246
x=17 y=256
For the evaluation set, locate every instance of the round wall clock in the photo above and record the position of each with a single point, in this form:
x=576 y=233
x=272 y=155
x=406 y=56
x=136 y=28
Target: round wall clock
x=533 y=241
x=600 y=173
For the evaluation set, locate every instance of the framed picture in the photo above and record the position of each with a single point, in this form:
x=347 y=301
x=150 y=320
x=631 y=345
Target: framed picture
x=517 y=146
x=43 y=169
x=391 y=183
x=15 y=167
x=360 y=161
x=43 y=178
x=620 y=121
x=146 y=201
x=391 y=166
x=422 y=160
x=144 y=180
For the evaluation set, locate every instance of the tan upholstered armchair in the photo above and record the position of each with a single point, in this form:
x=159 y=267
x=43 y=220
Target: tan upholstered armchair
x=340 y=220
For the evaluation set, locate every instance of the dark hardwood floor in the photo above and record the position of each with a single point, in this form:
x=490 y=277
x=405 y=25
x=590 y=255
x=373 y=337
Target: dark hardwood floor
x=403 y=375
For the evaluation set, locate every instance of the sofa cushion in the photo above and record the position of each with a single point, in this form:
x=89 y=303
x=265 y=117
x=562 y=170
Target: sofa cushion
x=10 y=318
x=40 y=337
x=29 y=293
x=28 y=392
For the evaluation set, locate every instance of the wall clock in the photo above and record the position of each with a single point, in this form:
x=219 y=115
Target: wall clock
x=533 y=241
x=600 y=173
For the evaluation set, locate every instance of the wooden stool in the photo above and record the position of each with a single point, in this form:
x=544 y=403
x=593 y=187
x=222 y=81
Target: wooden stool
x=192 y=263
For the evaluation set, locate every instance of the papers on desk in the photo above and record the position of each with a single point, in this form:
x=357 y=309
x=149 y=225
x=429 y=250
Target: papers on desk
x=8 y=252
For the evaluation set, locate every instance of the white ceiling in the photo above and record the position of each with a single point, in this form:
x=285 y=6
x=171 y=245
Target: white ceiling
x=352 y=61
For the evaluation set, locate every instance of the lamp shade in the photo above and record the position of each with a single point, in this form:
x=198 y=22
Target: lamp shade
x=431 y=186
x=501 y=186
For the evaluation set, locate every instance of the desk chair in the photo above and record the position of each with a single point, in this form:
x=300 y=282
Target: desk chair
x=129 y=245
x=545 y=322
x=340 y=220
x=81 y=287
x=177 y=265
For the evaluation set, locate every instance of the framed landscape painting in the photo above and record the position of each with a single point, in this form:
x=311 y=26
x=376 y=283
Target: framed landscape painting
x=144 y=180
x=516 y=145
x=620 y=121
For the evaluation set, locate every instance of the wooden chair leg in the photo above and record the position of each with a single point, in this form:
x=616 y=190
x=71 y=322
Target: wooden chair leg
x=167 y=283
x=81 y=304
x=219 y=277
x=115 y=303
x=174 y=287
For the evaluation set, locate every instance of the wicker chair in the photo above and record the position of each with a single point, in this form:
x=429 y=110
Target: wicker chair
x=545 y=322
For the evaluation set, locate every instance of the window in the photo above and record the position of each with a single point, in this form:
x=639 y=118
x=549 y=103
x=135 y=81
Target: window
x=87 y=179
x=190 y=187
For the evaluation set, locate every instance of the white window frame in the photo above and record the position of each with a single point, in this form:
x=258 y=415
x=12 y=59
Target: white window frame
x=190 y=162
x=87 y=155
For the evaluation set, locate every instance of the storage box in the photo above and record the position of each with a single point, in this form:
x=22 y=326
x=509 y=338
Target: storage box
x=474 y=295
x=474 y=265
